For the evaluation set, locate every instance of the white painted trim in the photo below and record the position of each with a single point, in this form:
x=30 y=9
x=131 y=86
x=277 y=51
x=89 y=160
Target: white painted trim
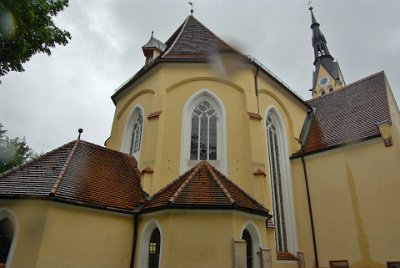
x=186 y=130
x=126 y=139
x=286 y=175
x=7 y=213
x=144 y=242
x=256 y=241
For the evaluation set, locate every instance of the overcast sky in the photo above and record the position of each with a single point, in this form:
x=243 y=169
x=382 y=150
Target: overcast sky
x=56 y=95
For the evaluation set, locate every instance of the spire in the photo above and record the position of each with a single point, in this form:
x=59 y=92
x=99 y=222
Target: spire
x=321 y=51
x=327 y=76
x=153 y=48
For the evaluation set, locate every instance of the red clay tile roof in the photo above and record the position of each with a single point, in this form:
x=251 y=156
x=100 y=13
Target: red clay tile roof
x=78 y=172
x=194 y=42
x=347 y=115
x=203 y=187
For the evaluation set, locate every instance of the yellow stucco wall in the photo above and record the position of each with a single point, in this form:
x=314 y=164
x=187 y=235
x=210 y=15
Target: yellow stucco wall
x=170 y=86
x=56 y=235
x=30 y=218
x=199 y=238
x=83 y=237
x=354 y=193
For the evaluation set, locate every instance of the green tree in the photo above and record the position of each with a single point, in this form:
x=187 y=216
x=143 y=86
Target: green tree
x=13 y=152
x=27 y=28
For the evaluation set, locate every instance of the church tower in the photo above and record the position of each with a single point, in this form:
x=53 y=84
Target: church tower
x=327 y=76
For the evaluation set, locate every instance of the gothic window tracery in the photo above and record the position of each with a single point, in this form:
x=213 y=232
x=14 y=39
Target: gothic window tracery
x=203 y=139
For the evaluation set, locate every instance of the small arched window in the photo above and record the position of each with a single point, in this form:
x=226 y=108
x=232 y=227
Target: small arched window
x=249 y=248
x=136 y=135
x=6 y=237
x=154 y=248
x=132 y=142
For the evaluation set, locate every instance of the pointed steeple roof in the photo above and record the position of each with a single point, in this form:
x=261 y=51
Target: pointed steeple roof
x=154 y=43
x=194 y=42
x=204 y=187
x=319 y=43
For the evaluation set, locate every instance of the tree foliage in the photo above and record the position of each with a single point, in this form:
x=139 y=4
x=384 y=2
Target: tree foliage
x=13 y=152
x=27 y=28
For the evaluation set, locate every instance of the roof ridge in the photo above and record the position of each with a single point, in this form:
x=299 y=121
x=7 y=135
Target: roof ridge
x=176 y=39
x=64 y=169
x=226 y=192
x=347 y=86
x=183 y=185
x=32 y=160
x=240 y=189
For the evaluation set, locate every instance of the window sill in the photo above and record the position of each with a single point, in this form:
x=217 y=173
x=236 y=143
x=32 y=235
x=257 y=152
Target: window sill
x=285 y=256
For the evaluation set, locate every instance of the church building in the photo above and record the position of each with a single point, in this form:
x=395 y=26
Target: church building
x=213 y=161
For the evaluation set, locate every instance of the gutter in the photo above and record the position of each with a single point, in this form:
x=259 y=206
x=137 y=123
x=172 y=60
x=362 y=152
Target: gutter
x=134 y=239
x=310 y=213
x=256 y=88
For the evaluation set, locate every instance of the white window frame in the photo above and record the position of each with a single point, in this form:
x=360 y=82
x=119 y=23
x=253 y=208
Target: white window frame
x=145 y=240
x=127 y=137
x=287 y=193
x=191 y=103
x=6 y=213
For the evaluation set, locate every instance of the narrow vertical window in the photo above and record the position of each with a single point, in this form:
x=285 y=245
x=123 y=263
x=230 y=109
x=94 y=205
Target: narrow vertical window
x=249 y=248
x=154 y=248
x=6 y=237
x=280 y=185
x=136 y=133
x=203 y=139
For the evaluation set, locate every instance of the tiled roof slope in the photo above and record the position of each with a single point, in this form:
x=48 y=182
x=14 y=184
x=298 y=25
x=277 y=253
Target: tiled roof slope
x=193 y=42
x=347 y=115
x=203 y=187
x=81 y=173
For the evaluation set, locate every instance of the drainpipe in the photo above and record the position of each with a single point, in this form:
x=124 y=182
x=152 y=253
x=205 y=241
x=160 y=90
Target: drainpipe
x=310 y=213
x=134 y=241
x=256 y=88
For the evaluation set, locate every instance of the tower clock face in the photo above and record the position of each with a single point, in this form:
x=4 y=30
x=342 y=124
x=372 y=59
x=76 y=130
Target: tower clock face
x=324 y=81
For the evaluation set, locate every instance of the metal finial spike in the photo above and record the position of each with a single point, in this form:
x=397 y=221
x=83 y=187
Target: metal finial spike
x=191 y=10
x=80 y=130
x=152 y=32
x=310 y=4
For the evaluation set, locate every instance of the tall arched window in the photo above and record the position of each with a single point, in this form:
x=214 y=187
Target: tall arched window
x=154 y=248
x=203 y=139
x=203 y=131
x=6 y=238
x=136 y=135
x=132 y=142
x=279 y=172
x=249 y=248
